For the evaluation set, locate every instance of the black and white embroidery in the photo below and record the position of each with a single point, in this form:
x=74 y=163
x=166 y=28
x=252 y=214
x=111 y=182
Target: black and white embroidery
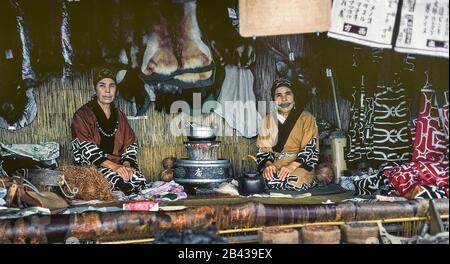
x=262 y=158
x=308 y=157
x=289 y=184
x=360 y=128
x=87 y=153
x=377 y=183
x=367 y=186
x=379 y=126
x=431 y=192
x=130 y=155
x=137 y=181
x=391 y=131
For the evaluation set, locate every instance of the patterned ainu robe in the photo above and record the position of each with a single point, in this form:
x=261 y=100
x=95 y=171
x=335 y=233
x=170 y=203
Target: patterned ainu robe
x=427 y=176
x=86 y=148
x=281 y=147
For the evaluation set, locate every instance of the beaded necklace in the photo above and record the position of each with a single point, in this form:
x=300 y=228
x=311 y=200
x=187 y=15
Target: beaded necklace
x=106 y=134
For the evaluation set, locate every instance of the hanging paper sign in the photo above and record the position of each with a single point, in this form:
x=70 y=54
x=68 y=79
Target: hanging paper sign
x=424 y=28
x=365 y=22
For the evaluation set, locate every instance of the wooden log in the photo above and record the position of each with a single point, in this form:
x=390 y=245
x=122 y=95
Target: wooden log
x=321 y=234
x=277 y=235
x=130 y=225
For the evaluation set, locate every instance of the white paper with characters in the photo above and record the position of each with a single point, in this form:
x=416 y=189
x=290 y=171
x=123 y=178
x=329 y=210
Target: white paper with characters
x=424 y=28
x=365 y=22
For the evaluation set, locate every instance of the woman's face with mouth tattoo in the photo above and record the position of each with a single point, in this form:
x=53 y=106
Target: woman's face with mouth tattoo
x=284 y=98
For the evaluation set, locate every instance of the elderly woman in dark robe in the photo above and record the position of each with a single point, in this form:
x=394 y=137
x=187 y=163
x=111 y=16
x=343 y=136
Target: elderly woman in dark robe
x=101 y=136
x=288 y=143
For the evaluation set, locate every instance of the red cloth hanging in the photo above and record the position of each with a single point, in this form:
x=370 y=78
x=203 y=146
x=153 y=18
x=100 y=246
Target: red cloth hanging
x=429 y=166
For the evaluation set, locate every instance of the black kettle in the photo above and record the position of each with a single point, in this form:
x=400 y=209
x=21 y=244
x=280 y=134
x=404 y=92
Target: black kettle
x=251 y=183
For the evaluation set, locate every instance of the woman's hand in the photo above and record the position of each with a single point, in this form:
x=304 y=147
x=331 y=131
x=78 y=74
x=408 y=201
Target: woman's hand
x=287 y=170
x=269 y=171
x=127 y=165
x=125 y=172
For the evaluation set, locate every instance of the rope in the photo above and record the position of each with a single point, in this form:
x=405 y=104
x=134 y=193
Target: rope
x=61 y=182
x=29 y=184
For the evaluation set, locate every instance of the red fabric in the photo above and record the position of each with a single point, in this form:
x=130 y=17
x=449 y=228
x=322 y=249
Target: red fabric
x=429 y=166
x=429 y=145
x=407 y=176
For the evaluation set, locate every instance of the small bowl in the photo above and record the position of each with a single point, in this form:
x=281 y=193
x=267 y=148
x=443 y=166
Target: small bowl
x=200 y=132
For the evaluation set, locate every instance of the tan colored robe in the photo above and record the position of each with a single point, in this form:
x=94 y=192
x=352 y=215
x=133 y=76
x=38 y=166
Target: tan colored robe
x=302 y=145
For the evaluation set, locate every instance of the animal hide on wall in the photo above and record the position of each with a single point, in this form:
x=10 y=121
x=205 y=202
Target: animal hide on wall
x=118 y=42
x=81 y=21
x=175 y=53
x=133 y=22
x=66 y=41
x=191 y=51
x=159 y=56
x=43 y=22
x=14 y=97
x=10 y=44
x=220 y=23
x=12 y=94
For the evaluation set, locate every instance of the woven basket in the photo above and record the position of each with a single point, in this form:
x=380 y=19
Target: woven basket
x=360 y=233
x=321 y=235
x=278 y=235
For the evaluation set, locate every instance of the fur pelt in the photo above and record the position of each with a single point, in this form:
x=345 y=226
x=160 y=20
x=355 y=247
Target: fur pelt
x=86 y=54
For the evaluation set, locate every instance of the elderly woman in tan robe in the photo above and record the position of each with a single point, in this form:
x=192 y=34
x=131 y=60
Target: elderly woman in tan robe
x=288 y=143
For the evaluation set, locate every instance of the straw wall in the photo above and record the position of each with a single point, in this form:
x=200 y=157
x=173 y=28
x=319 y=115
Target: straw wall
x=57 y=101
